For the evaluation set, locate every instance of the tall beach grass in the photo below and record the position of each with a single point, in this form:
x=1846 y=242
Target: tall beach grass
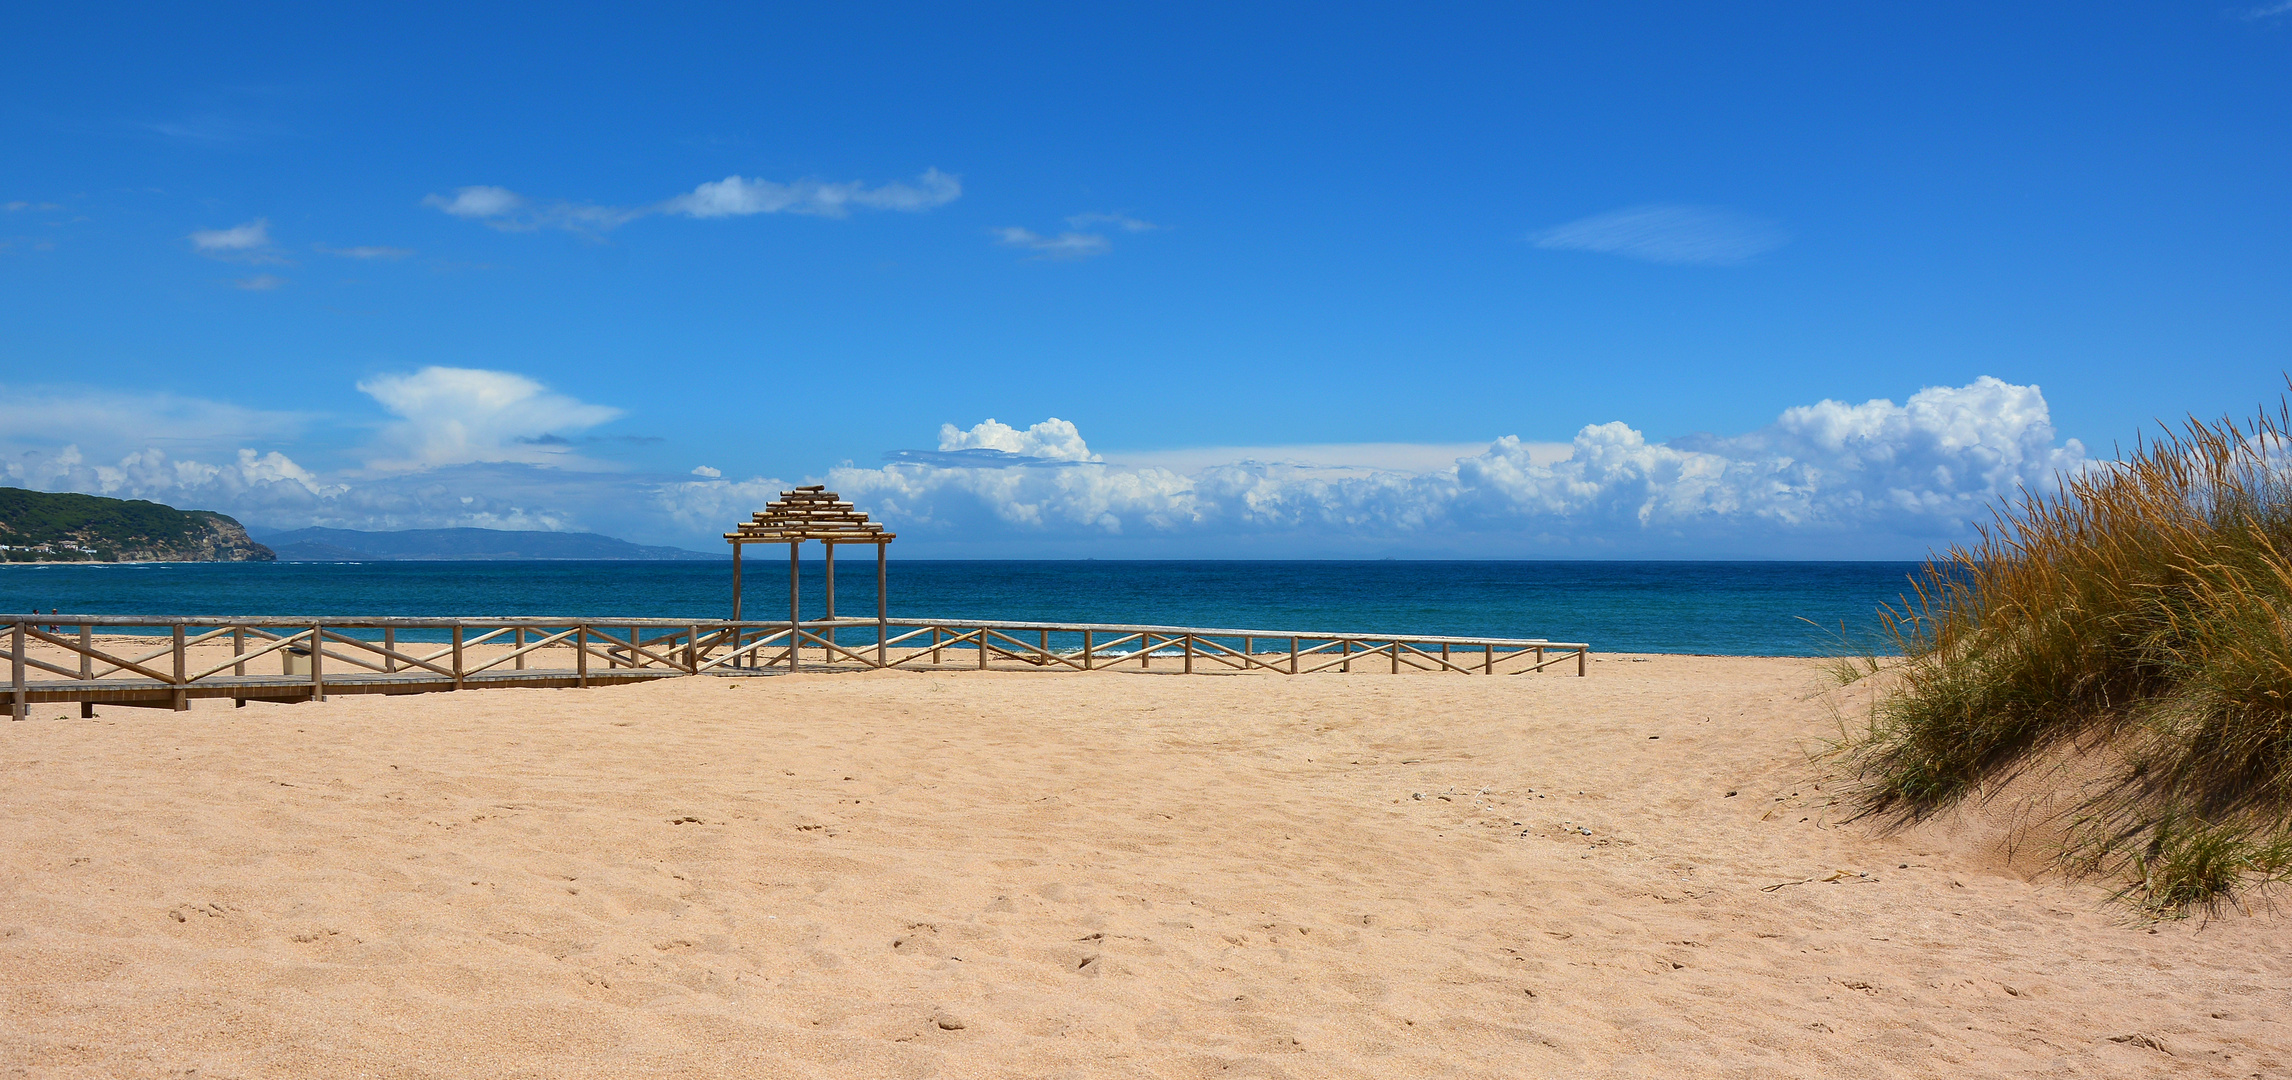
x=2142 y=612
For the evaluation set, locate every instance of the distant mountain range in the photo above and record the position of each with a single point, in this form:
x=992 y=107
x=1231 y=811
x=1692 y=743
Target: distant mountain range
x=413 y=545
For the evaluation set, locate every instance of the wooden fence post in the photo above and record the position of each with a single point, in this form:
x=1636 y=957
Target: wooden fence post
x=20 y=703
x=389 y=645
x=1189 y=654
x=182 y=696
x=239 y=669
x=317 y=663
x=1086 y=650
x=87 y=669
x=457 y=656
x=581 y=656
x=519 y=638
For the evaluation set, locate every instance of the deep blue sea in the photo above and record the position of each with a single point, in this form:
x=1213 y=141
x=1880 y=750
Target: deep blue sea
x=1742 y=608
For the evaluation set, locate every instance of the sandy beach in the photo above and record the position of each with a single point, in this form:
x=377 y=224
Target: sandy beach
x=1639 y=873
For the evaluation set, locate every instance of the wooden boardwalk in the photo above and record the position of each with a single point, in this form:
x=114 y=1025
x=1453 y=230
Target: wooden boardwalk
x=167 y=662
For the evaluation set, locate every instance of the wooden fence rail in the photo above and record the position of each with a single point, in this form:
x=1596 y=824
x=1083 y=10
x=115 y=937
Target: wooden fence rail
x=165 y=662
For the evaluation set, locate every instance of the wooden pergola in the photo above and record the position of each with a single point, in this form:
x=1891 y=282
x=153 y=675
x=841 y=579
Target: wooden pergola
x=814 y=513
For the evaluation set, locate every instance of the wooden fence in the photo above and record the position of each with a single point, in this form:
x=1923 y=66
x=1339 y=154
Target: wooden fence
x=165 y=662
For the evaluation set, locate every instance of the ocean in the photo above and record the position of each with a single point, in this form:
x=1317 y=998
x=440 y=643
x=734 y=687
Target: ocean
x=1728 y=608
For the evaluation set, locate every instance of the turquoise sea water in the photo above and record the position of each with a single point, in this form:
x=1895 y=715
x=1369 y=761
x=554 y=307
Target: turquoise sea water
x=1743 y=608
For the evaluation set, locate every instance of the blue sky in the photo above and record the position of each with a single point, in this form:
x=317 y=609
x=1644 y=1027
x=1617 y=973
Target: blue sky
x=1283 y=276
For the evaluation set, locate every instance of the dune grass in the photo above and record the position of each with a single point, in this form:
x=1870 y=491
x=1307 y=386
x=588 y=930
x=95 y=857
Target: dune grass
x=2144 y=609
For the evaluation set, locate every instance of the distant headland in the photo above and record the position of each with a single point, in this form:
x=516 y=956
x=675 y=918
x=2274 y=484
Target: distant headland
x=66 y=527
x=50 y=527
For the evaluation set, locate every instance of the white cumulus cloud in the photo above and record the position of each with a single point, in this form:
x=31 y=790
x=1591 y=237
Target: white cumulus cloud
x=453 y=416
x=247 y=479
x=1902 y=476
x=491 y=459
x=1665 y=233
x=1052 y=440
x=1831 y=479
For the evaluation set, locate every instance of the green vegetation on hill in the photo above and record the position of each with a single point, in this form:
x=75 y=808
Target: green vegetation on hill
x=39 y=526
x=2140 y=619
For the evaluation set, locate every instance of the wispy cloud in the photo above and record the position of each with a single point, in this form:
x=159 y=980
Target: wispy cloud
x=364 y=251
x=1115 y=219
x=2268 y=11
x=259 y=282
x=20 y=206
x=737 y=196
x=1667 y=233
x=250 y=243
x=1065 y=245
x=213 y=128
x=115 y=421
x=1084 y=238
x=733 y=196
x=247 y=237
x=477 y=201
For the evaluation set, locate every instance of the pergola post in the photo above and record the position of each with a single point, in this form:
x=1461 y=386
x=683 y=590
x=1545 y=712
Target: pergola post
x=882 y=605
x=736 y=546
x=829 y=653
x=795 y=612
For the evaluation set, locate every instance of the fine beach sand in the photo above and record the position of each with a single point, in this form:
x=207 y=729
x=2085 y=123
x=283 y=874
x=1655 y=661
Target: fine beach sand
x=970 y=874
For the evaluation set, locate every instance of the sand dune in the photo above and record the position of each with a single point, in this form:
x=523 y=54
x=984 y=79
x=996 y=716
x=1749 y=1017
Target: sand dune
x=1051 y=875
